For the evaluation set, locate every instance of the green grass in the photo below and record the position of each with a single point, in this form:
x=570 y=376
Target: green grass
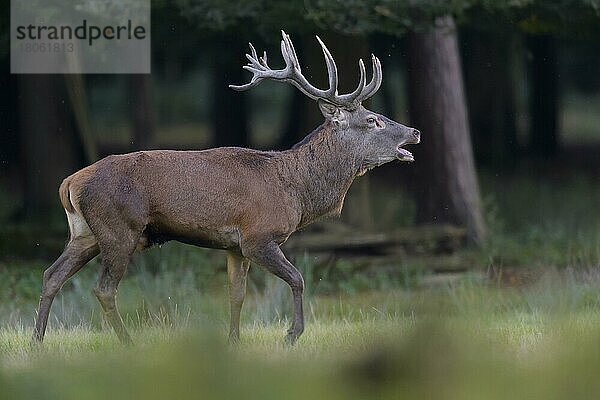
x=468 y=339
x=537 y=221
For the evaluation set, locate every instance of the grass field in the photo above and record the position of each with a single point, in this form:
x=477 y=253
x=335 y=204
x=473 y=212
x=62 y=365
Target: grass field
x=468 y=339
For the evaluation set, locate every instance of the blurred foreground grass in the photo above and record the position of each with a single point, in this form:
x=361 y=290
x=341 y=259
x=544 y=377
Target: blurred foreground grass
x=469 y=339
x=452 y=359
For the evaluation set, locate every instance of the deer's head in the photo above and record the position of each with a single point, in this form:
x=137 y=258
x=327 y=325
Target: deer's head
x=373 y=138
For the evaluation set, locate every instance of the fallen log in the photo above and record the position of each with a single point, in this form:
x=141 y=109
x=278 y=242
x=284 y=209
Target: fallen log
x=431 y=239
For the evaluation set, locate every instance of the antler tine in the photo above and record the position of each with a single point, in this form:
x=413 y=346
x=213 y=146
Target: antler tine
x=331 y=70
x=254 y=66
x=253 y=50
x=375 y=83
x=295 y=76
x=263 y=59
x=255 y=81
x=291 y=50
x=351 y=97
x=253 y=59
x=297 y=79
x=288 y=55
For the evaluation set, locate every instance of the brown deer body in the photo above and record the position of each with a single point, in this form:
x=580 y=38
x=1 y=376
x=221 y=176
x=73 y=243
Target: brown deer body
x=245 y=201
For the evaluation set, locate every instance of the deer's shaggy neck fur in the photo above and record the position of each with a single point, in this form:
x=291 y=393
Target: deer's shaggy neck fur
x=320 y=170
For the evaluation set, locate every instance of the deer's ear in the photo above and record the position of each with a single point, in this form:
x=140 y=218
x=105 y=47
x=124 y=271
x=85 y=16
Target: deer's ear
x=333 y=113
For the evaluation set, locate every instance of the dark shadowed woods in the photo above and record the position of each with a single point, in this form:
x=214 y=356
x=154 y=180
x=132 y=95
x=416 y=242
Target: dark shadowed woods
x=496 y=90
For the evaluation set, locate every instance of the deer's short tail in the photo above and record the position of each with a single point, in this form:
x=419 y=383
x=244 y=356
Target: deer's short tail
x=65 y=198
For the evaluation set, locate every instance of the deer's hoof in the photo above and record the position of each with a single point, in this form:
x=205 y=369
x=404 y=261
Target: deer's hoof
x=234 y=340
x=290 y=339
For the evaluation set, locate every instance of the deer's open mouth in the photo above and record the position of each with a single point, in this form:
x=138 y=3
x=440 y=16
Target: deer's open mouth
x=403 y=154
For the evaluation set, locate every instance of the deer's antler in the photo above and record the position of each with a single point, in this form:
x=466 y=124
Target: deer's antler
x=292 y=73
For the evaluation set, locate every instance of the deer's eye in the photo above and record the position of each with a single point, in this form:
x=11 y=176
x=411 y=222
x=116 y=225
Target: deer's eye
x=371 y=120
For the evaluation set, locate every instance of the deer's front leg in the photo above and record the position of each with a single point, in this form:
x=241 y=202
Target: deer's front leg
x=270 y=256
x=237 y=270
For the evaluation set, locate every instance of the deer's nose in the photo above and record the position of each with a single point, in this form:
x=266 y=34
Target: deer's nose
x=417 y=135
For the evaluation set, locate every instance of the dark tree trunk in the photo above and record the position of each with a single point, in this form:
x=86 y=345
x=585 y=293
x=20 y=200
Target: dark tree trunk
x=491 y=96
x=49 y=146
x=76 y=89
x=143 y=112
x=544 y=100
x=229 y=108
x=447 y=188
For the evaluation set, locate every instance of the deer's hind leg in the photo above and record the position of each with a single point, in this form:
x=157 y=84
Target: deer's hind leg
x=115 y=259
x=78 y=252
x=116 y=248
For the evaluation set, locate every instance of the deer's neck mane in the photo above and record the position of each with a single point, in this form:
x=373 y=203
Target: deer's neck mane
x=320 y=169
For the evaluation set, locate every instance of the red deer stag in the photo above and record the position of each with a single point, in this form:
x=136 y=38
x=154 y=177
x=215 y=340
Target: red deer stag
x=244 y=201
